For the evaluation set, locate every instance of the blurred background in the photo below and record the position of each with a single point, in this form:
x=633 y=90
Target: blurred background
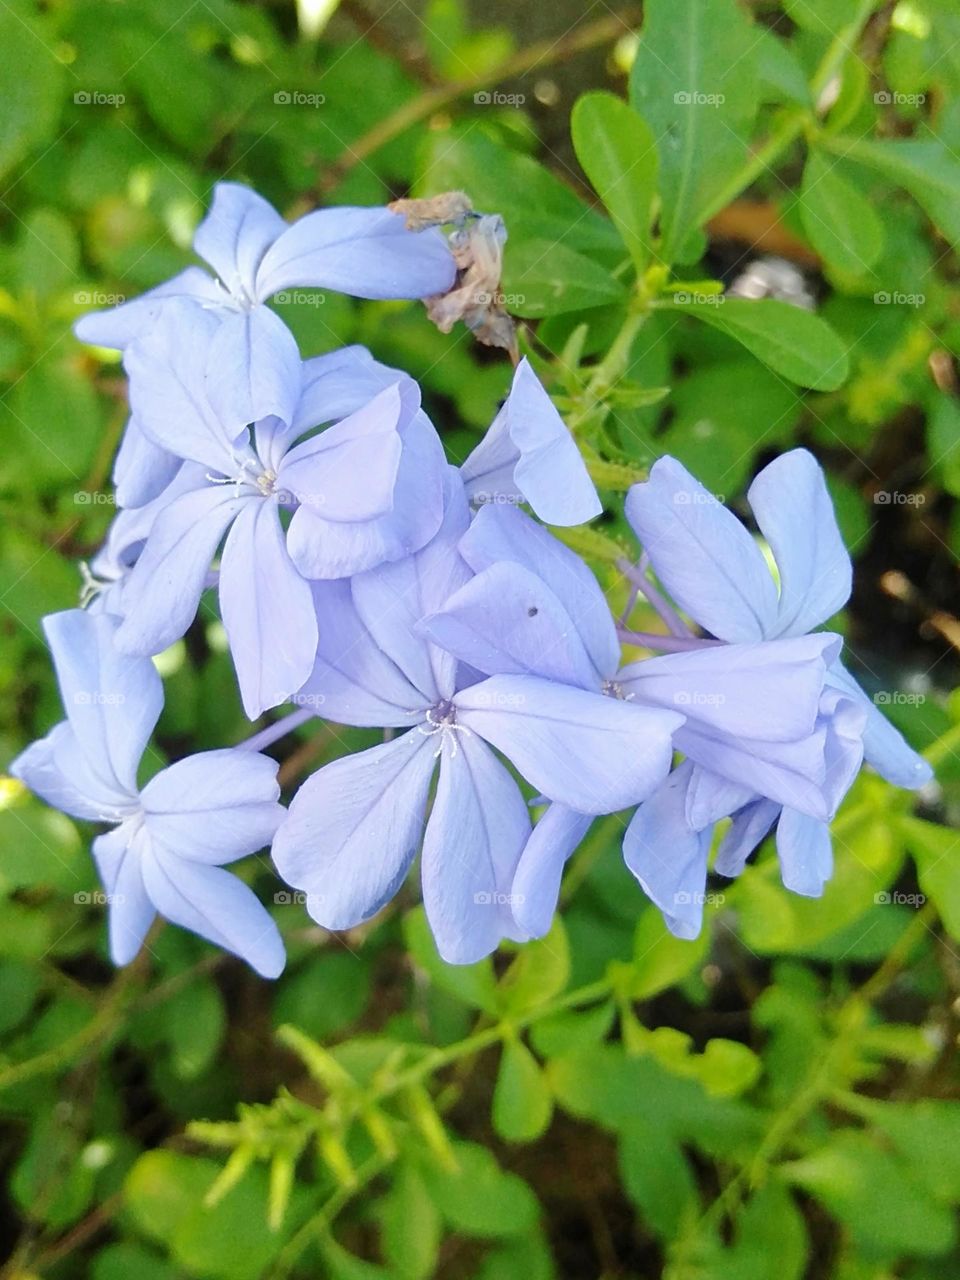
x=780 y=1097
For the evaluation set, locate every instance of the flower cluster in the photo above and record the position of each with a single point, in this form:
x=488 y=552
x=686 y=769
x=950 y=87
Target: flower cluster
x=364 y=577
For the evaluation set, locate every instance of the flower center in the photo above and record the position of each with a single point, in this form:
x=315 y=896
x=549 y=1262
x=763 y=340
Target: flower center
x=614 y=689
x=442 y=719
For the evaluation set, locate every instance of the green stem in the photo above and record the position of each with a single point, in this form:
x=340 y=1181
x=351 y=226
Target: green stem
x=795 y=120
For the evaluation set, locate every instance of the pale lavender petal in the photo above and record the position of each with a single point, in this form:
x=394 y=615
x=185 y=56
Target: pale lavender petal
x=216 y=905
x=769 y=691
x=118 y=326
x=749 y=827
x=214 y=807
x=507 y=621
x=367 y=253
x=348 y=472
x=267 y=609
x=711 y=797
x=253 y=369
x=353 y=828
x=353 y=681
x=702 y=554
x=168 y=388
x=805 y=853
x=593 y=753
x=668 y=857
x=60 y=772
x=161 y=595
x=503 y=533
x=476 y=833
x=331 y=549
x=236 y=233
x=795 y=513
x=548 y=470
x=884 y=747
x=141 y=469
x=118 y=857
x=536 y=885
x=112 y=700
x=392 y=599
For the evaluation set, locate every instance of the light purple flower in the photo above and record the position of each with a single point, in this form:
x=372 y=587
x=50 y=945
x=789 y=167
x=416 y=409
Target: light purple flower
x=529 y=455
x=354 y=827
x=354 y=500
x=715 y=571
x=367 y=253
x=171 y=838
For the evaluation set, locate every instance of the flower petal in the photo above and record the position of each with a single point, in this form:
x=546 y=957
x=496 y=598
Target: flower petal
x=702 y=554
x=353 y=681
x=161 y=594
x=884 y=747
x=749 y=827
x=267 y=609
x=216 y=905
x=805 y=853
x=503 y=533
x=118 y=855
x=236 y=233
x=252 y=369
x=116 y=327
x=795 y=513
x=548 y=468
x=214 y=807
x=668 y=857
x=593 y=753
x=507 y=621
x=366 y=253
x=353 y=828
x=141 y=469
x=536 y=885
x=475 y=836
x=112 y=700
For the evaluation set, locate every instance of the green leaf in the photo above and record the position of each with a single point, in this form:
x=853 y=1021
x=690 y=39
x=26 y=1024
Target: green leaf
x=324 y=995
x=927 y=169
x=540 y=971
x=533 y=202
x=840 y=222
x=875 y=1195
x=660 y=959
x=411 y=1225
x=656 y=1175
x=480 y=1199
x=35 y=79
x=936 y=851
x=794 y=343
x=618 y=153
x=546 y=278
x=522 y=1104
x=695 y=83
x=474 y=984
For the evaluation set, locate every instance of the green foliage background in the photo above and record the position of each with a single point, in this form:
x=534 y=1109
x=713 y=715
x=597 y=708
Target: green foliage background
x=778 y=1098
